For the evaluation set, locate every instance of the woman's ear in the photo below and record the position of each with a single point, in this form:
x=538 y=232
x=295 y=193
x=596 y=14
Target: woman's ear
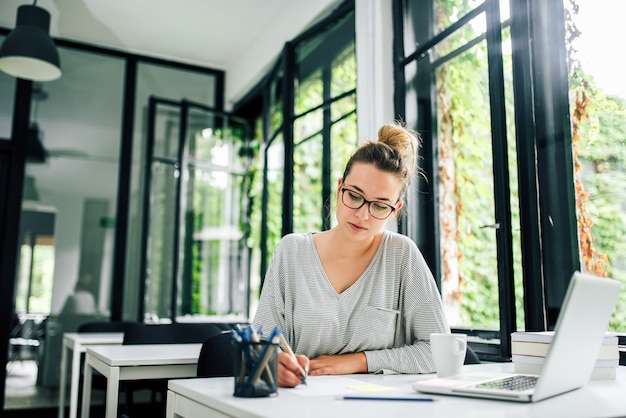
x=398 y=207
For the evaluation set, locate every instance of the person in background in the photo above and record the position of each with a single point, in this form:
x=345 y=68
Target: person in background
x=81 y=302
x=357 y=298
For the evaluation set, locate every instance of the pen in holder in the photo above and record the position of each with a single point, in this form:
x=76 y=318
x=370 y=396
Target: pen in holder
x=256 y=368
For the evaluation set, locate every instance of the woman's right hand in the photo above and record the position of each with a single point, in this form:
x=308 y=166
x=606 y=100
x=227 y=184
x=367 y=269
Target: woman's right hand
x=291 y=372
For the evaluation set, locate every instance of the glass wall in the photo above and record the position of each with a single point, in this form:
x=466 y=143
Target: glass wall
x=67 y=225
x=82 y=135
x=7 y=85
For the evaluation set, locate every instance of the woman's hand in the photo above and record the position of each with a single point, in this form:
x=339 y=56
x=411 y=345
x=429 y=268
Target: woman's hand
x=338 y=364
x=291 y=372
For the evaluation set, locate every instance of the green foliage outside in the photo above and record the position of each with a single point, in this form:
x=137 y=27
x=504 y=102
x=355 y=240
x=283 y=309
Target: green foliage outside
x=602 y=153
x=214 y=233
x=38 y=297
x=466 y=171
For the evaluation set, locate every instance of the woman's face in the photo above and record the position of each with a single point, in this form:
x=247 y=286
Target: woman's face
x=373 y=184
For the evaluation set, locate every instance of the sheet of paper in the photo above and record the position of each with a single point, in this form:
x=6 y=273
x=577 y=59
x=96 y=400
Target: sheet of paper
x=322 y=386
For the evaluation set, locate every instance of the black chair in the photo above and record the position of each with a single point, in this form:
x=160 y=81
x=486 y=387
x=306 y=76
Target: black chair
x=105 y=326
x=177 y=333
x=216 y=356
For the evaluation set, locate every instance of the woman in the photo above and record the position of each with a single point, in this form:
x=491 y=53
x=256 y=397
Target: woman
x=357 y=298
x=81 y=302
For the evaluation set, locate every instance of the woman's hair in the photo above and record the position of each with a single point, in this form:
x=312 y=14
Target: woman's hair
x=395 y=152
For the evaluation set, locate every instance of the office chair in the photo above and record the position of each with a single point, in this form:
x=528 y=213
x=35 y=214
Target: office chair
x=216 y=356
x=176 y=333
x=105 y=326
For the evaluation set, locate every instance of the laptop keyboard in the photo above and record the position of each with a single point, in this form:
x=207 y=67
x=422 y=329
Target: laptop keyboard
x=519 y=382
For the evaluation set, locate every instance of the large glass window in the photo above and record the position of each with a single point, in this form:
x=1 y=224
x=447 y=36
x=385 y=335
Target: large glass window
x=598 y=108
x=468 y=154
x=325 y=121
x=306 y=147
x=170 y=84
x=196 y=258
x=498 y=160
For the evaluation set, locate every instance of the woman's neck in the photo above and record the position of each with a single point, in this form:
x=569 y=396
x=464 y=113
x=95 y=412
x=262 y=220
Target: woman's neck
x=340 y=246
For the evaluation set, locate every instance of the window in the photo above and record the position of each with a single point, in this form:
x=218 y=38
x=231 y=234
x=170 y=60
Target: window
x=154 y=236
x=36 y=261
x=496 y=218
x=598 y=109
x=196 y=256
x=308 y=119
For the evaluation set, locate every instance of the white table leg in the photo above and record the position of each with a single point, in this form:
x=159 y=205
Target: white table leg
x=62 y=381
x=113 y=388
x=169 y=406
x=74 y=383
x=86 y=390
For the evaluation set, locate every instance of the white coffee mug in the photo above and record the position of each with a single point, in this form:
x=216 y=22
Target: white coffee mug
x=448 y=353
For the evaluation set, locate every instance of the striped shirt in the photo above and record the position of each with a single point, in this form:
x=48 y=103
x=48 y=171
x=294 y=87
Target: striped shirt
x=388 y=313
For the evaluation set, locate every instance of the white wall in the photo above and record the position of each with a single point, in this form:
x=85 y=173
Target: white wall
x=374 y=54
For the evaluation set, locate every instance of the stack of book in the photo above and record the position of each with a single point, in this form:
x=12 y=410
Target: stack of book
x=529 y=351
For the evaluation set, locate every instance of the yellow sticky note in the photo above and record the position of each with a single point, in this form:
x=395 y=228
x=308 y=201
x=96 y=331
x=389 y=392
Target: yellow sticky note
x=369 y=387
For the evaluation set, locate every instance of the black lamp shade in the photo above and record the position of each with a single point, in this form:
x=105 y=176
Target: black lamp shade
x=29 y=52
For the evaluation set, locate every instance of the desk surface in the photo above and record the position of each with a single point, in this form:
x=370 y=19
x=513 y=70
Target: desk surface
x=146 y=354
x=92 y=338
x=213 y=397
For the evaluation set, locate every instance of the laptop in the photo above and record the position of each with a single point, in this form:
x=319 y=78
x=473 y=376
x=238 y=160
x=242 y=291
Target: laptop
x=578 y=335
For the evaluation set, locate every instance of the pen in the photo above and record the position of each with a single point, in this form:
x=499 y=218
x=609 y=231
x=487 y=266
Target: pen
x=285 y=344
x=255 y=338
x=385 y=398
x=261 y=364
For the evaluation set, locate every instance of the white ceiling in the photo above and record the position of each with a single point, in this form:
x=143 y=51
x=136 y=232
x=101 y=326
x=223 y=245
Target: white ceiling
x=242 y=37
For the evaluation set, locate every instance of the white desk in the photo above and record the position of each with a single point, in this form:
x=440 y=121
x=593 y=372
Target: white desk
x=78 y=343
x=134 y=362
x=213 y=397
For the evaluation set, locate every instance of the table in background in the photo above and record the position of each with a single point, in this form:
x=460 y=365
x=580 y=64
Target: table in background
x=135 y=362
x=213 y=397
x=78 y=343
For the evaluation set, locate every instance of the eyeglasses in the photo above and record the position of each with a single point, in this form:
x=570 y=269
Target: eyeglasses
x=354 y=200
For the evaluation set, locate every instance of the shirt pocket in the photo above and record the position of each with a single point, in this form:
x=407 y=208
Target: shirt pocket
x=374 y=328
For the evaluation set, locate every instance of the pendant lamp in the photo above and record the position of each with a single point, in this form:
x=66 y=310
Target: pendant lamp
x=28 y=52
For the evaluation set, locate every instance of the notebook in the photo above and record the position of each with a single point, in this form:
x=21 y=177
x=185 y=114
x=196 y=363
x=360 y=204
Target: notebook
x=578 y=335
